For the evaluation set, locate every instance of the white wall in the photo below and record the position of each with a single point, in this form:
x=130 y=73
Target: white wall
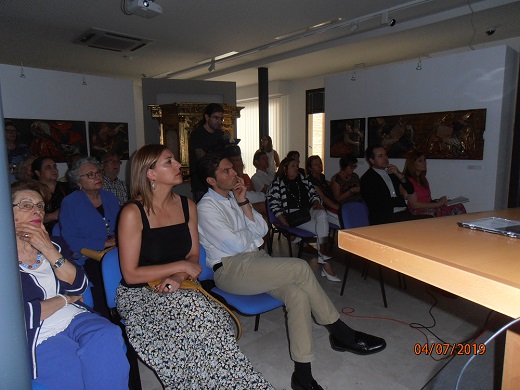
x=485 y=78
x=46 y=94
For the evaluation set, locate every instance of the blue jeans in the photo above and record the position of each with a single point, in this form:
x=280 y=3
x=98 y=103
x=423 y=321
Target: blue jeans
x=88 y=354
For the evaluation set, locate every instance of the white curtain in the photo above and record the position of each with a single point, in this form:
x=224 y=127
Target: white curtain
x=247 y=128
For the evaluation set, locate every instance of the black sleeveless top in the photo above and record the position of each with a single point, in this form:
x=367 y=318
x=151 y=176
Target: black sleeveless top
x=165 y=244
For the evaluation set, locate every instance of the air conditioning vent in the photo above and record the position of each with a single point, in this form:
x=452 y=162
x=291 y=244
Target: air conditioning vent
x=108 y=40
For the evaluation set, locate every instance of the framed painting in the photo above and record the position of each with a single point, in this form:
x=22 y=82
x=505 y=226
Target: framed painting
x=347 y=136
x=108 y=137
x=58 y=139
x=440 y=135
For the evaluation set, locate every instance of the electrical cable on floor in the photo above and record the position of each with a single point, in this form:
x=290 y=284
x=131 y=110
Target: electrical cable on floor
x=505 y=327
x=419 y=327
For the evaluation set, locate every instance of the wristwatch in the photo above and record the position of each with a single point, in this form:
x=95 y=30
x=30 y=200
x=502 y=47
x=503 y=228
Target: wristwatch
x=243 y=203
x=59 y=263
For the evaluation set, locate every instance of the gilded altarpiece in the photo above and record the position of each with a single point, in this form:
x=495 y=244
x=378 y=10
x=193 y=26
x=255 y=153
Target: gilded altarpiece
x=178 y=120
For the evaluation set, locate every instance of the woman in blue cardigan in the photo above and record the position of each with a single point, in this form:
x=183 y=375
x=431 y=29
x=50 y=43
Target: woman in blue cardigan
x=87 y=220
x=73 y=347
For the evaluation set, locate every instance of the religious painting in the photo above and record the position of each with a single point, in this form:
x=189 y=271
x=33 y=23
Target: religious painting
x=440 y=135
x=57 y=139
x=347 y=136
x=108 y=137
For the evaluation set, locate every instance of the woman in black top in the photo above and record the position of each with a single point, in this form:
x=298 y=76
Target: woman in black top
x=187 y=339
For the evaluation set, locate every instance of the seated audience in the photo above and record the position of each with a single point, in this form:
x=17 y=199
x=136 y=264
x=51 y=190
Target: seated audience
x=295 y=155
x=87 y=220
x=261 y=180
x=111 y=167
x=46 y=172
x=315 y=176
x=420 y=202
x=345 y=185
x=272 y=155
x=186 y=338
x=69 y=346
x=230 y=232
x=291 y=192
x=24 y=170
x=383 y=187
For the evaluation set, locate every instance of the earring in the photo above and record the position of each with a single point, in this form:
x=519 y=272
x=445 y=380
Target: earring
x=154 y=185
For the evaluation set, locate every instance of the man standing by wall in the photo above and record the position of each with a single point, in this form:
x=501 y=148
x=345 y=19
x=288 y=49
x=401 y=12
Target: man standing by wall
x=205 y=138
x=111 y=168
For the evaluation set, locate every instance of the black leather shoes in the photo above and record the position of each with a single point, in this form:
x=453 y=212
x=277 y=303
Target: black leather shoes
x=364 y=344
x=295 y=385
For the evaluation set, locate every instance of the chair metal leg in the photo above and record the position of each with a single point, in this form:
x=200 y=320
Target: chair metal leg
x=364 y=270
x=300 y=249
x=257 y=322
x=402 y=280
x=382 y=285
x=345 y=276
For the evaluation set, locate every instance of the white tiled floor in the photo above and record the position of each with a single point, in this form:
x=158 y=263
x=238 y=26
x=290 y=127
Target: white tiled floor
x=397 y=367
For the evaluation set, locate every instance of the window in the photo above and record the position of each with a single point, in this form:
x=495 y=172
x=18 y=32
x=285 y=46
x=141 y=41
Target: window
x=248 y=133
x=315 y=109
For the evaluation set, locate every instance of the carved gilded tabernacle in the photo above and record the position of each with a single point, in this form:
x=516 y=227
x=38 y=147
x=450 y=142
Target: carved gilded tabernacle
x=178 y=120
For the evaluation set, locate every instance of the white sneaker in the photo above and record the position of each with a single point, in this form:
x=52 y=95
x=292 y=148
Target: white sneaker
x=331 y=278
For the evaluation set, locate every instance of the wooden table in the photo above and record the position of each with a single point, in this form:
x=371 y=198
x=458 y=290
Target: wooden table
x=479 y=266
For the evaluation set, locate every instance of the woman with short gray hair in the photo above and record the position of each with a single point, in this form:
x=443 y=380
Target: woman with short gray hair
x=87 y=220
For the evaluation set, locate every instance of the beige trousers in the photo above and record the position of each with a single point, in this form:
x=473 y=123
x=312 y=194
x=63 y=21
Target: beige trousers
x=288 y=279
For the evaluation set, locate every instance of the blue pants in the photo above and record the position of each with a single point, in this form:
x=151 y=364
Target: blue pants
x=89 y=354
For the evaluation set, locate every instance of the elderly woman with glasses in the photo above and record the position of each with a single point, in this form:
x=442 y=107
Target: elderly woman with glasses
x=69 y=346
x=87 y=220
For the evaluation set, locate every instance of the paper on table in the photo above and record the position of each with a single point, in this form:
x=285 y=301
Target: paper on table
x=458 y=199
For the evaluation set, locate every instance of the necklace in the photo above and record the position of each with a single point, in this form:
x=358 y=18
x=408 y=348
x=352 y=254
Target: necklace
x=296 y=197
x=33 y=266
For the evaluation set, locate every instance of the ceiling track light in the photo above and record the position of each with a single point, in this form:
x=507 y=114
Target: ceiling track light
x=353 y=78
x=212 y=65
x=353 y=28
x=386 y=21
x=84 y=80
x=419 y=65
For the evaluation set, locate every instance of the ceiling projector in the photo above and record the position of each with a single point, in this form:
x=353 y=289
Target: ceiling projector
x=144 y=8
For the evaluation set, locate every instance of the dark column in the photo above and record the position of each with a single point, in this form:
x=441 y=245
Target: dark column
x=263 y=103
x=14 y=358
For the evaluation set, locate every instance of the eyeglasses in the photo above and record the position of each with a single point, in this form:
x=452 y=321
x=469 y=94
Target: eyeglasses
x=26 y=205
x=217 y=118
x=92 y=174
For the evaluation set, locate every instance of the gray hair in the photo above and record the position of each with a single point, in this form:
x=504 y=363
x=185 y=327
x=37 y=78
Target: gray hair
x=73 y=172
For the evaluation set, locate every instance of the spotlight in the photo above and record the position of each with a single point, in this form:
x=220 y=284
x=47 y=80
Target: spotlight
x=490 y=31
x=353 y=78
x=386 y=21
x=146 y=3
x=212 y=65
x=419 y=65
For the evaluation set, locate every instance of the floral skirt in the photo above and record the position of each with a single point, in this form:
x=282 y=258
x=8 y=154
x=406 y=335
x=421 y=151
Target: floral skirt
x=187 y=339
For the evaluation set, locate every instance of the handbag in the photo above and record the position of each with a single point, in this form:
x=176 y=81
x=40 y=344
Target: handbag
x=189 y=284
x=298 y=217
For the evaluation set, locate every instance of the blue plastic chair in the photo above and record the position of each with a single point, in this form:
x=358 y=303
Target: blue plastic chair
x=252 y=305
x=354 y=215
x=112 y=276
x=287 y=231
x=87 y=297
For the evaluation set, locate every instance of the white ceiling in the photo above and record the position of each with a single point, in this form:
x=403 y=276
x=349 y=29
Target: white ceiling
x=40 y=34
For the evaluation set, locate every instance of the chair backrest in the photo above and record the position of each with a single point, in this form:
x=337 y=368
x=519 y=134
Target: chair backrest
x=111 y=275
x=353 y=215
x=270 y=215
x=207 y=273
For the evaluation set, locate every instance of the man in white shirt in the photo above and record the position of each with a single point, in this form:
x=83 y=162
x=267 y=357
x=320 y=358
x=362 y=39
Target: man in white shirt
x=261 y=179
x=231 y=231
